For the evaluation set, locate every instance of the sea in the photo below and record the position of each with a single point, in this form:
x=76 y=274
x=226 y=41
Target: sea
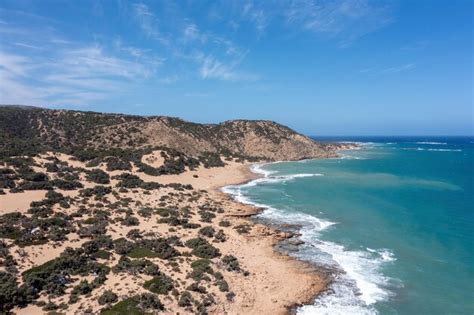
x=392 y=222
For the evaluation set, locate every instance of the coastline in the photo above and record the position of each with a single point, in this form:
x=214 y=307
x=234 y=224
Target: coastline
x=270 y=282
x=296 y=283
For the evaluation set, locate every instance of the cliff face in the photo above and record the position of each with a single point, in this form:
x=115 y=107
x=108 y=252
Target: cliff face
x=34 y=128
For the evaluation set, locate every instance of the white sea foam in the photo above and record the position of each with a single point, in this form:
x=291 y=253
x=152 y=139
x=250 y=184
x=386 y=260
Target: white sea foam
x=357 y=142
x=434 y=150
x=430 y=142
x=268 y=178
x=348 y=157
x=360 y=283
x=361 y=269
x=445 y=150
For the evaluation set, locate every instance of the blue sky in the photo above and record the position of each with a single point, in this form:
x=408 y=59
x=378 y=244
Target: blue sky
x=338 y=67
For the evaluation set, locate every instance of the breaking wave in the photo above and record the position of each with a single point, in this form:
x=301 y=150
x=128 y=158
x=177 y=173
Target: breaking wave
x=357 y=280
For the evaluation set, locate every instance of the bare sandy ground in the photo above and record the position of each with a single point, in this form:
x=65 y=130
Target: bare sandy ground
x=275 y=282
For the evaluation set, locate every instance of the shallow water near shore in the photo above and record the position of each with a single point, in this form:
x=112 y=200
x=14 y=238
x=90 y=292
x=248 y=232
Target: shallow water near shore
x=393 y=220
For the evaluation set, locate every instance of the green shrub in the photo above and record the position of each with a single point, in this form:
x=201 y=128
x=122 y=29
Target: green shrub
x=202 y=248
x=224 y=223
x=220 y=236
x=107 y=297
x=98 y=191
x=82 y=288
x=160 y=246
x=206 y=216
x=223 y=285
x=207 y=231
x=243 y=228
x=117 y=164
x=150 y=301
x=128 y=180
x=160 y=284
x=130 y=221
x=185 y=299
x=145 y=212
x=231 y=263
x=200 y=268
x=129 y=306
x=140 y=252
x=98 y=176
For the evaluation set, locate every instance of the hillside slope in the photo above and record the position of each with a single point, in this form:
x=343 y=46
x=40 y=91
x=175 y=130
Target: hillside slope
x=27 y=129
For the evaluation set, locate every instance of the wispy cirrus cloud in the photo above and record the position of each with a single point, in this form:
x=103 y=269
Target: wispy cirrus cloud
x=344 y=20
x=212 y=68
x=389 y=70
x=214 y=56
x=257 y=16
x=148 y=22
x=75 y=75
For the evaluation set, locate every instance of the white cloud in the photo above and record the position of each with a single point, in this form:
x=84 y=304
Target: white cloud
x=78 y=75
x=212 y=68
x=400 y=68
x=390 y=70
x=215 y=56
x=191 y=33
x=169 y=79
x=257 y=16
x=345 y=20
x=26 y=46
x=148 y=22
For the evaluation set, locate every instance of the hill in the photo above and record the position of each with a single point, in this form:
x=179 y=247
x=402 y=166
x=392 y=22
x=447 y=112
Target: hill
x=31 y=130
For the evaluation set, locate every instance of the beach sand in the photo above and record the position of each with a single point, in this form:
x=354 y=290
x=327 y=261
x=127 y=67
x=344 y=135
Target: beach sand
x=274 y=285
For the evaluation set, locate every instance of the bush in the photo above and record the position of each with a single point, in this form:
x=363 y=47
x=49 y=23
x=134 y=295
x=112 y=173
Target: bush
x=160 y=284
x=145 y=212
x=134 y=234
x=207 y=231
x=210 y=159
x=98 y=176
x=125 y=307
x=82 y=288
x=220 y=236
x=185 y=299
x=201 y=267
x=150 y=301
x=195 y=287
x=66 y=184
x=116 y=164
x=54 y=275
x=206 y=216
x=231 y=263
x=98 y=191
x=107 y=297
x=224 y=223
x=123 y=246
x=223 y=285
x=195 y=242
x=140 y=252
x=230 y=296
x=243 y=228
x=128 y=180
x=161 y=247
x=36 y=177
x=202 y=248
x=130 y=221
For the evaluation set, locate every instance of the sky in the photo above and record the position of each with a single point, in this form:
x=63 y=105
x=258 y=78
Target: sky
x=336 y=67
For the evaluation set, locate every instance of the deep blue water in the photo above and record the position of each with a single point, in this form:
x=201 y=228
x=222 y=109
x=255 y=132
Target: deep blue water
x=394 y=219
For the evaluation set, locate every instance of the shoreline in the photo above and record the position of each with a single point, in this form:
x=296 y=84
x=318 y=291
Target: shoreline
x=277 y=237
x=269 y=281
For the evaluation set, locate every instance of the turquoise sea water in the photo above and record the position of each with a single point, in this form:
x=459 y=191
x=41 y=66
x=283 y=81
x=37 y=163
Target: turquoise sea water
x=394 y=220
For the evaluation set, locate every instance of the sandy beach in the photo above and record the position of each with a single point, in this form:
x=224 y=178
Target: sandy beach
x=271 y=284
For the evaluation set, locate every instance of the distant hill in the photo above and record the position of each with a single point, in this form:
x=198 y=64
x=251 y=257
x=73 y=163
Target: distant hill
x=26 y=129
